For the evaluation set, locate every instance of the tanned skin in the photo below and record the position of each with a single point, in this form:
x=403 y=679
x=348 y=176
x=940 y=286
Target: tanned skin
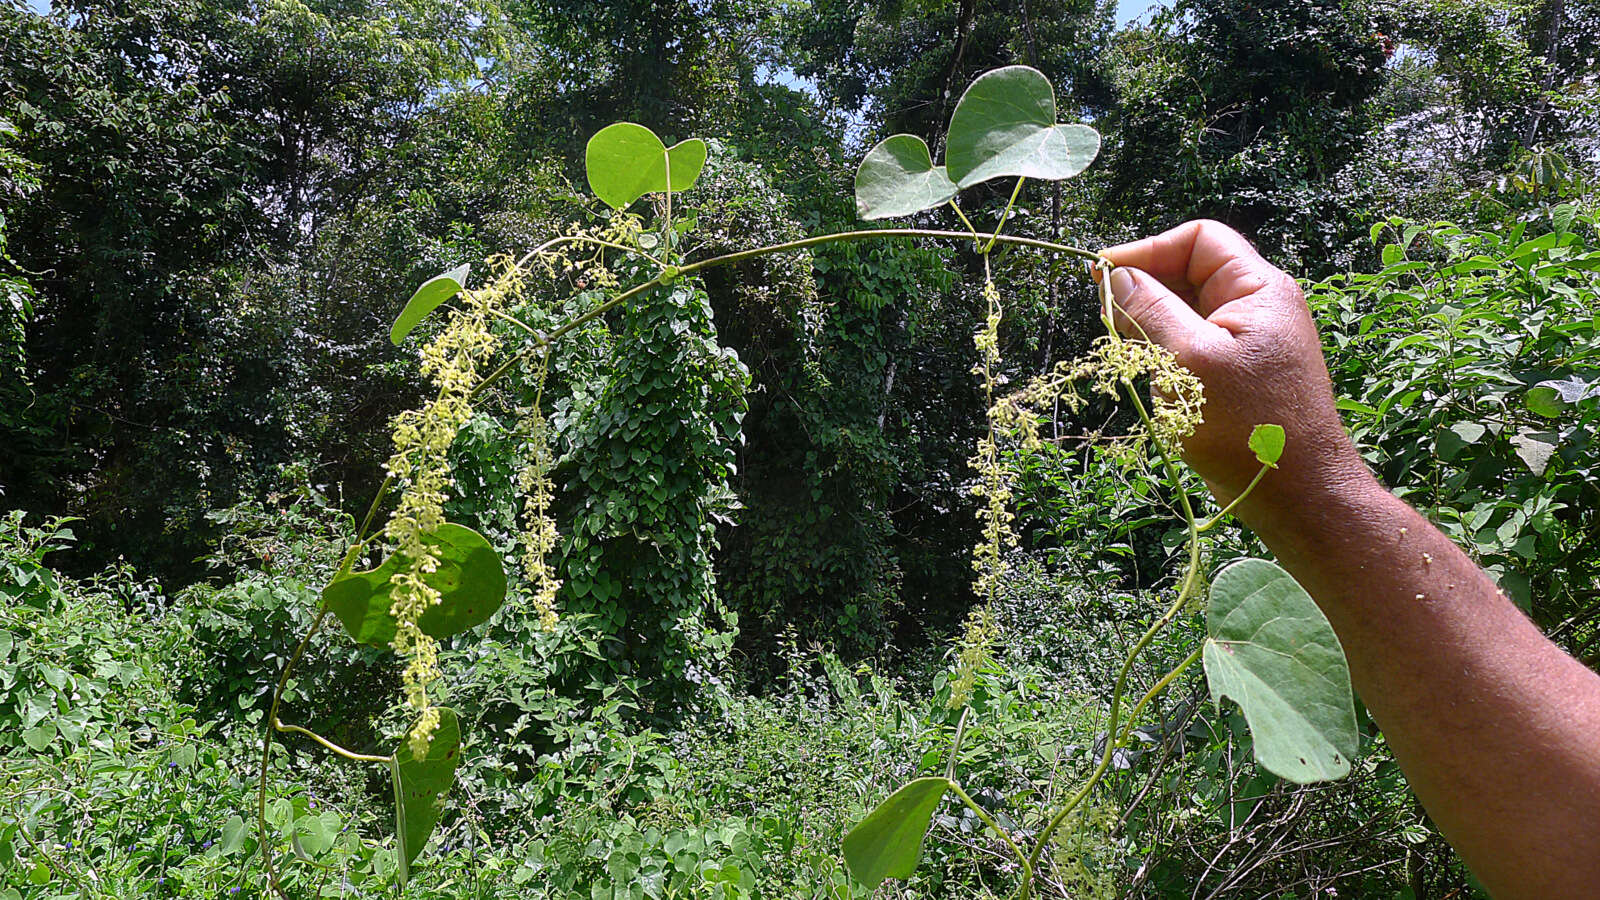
x=1497 y=729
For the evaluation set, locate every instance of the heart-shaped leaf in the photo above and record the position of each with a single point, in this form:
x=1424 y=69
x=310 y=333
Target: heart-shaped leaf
x=1266 y=442
x=433 y=292
x=1005 y=125
x=898 y=178
x=1272 y=650
x=470 y=580
x=888 y=842
x=625 y=161
x=420 y=785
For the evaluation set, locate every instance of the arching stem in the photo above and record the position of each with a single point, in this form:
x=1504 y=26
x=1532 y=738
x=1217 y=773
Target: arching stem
x=542 y=343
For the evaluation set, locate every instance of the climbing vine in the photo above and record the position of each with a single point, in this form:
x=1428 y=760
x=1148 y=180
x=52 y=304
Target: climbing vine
x=649 y=450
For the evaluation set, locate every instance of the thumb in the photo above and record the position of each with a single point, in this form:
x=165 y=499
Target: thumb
x=1145 y=308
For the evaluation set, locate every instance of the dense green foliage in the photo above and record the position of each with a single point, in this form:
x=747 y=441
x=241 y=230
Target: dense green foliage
x=211 y=212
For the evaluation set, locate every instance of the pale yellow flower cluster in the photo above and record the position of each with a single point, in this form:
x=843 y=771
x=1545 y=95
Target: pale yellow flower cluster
x=539 y=534
x=1176 y=394
x=589 y=269
x=975 y=640
x=420 y=462
x=994 y=488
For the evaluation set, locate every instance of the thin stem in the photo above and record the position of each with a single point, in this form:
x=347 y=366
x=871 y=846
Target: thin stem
x=1155 y=689
x=347 y=754
x=266 y=747
x=976 y=237
x=581 y=239
x=507 y=317
x=883 y=233
x=68 y=874
x=1211 y=523
x=1116 y=712
x=1003 y=214
x=403 y=870
x=1027 y=866
x=372 y=511
x=955 y=747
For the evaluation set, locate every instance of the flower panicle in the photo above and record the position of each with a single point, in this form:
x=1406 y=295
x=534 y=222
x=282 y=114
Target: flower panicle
x=422 y=438
x=1176 y=394
x=582 y=256
x=995 y=517
x=539 y=535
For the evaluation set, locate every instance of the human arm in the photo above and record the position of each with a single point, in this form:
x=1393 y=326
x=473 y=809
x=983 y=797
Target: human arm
x=1497 y=729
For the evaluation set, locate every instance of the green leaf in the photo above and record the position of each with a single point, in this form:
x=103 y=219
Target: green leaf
x=1266 y=442
x=1535 y=448
x=888 y=842
x=1561 y=217
x=1271 y=649
x=233 y=832
x=1544 y=401
x=420 y=785
x=433 y=292
x=898 y=178
x=470 y=580
x=1551 y=398
x=314 y=834
x=1006 y=125
x=1449 y=442
x=39 y=736
x=1573 y=389
x=625 y=161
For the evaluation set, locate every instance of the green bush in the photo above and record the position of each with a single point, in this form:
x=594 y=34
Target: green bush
x=1470 y=373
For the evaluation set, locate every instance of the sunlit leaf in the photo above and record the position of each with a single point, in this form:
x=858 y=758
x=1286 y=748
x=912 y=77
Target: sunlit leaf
x=420 y=785
x=1266 y=442
x=625 y=161
x=433 y=292
x=1449 y=442
x=470 y=580
x=888 y=842
x=1005 y=124
x=1535 y=448
x=898 y=178
x=1273 y=652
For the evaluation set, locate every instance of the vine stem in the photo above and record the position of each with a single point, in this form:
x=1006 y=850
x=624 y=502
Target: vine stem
x=1027 y=864
x=1211 y=523
x=1186 y=589
x=347 y=754
x=266 y=750
x=541 y=342
x=955 y=747
x=976 y=237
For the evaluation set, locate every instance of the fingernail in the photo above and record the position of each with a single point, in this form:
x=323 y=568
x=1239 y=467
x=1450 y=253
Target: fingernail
x=1121 y=283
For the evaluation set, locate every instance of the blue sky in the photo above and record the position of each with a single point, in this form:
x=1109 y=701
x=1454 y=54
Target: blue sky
x=1128 y=10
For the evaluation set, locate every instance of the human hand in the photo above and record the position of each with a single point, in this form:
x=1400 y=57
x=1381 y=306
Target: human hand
x=1242 y=325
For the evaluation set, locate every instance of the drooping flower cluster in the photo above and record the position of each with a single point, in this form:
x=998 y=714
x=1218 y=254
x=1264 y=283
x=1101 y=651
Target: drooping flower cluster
x=994 y=483
x=1111 y=364
x=422 y=439
x=539 y=533
x=994 y=514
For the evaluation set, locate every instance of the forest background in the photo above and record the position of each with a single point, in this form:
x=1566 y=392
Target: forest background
x=211 y=211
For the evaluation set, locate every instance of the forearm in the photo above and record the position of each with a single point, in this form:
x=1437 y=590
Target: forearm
x=1497 y=730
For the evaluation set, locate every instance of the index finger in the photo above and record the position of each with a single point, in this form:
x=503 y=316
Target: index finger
x=1186 y=257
